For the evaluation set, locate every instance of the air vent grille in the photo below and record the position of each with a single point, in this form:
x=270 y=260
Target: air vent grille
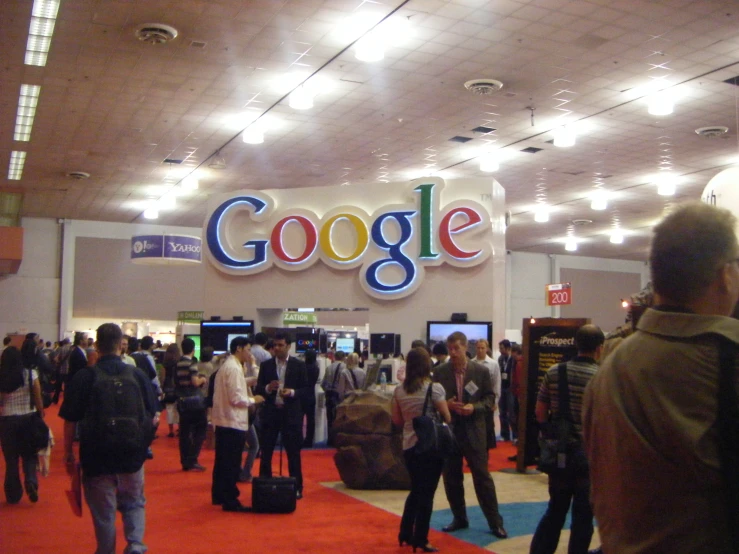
x=531 y=150
x=482 y=129
x=460 y=139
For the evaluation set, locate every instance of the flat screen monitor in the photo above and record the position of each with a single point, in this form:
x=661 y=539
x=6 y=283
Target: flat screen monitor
x=382 y=343
x=306 y=341
x=345 y=344
x=438 y=331
x=218 y=334
x=196 y=340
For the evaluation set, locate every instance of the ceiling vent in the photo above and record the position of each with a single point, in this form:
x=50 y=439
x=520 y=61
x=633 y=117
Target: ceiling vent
x=460 y=139
x=712 y=131
x=531 y=150
x=79 y=175
x=483 y=129
x=155 y=33
x=581 y=222
x=171 y=161
x=483 y=86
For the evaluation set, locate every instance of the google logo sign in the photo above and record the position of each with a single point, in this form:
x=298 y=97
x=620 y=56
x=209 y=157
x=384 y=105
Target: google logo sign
x=392 y=246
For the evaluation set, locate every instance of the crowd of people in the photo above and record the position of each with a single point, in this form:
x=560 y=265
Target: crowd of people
x=643 y=423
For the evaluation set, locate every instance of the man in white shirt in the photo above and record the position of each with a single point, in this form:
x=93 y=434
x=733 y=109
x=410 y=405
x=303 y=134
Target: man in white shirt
x=481 y=351
x=258 y=351
x=230 y=416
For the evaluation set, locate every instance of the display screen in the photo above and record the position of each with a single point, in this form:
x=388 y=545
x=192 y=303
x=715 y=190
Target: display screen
x=218 y=334
x=382 y=343
x=345 y=345
x=306 y=341
x=196 y=340
x=438 y=331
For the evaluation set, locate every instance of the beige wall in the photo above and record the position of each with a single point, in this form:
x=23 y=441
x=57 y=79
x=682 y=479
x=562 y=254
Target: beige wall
x=597 y=295
x=108 y=285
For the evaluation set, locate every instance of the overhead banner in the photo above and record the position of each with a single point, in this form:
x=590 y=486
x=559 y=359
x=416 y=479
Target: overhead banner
x=166 y=249
x=247 y=233
x=299 y=318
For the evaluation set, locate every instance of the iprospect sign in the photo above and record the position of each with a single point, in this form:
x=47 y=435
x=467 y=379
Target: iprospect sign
x=246 y=234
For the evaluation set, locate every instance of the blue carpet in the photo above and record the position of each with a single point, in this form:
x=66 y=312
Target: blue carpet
x=520 y=518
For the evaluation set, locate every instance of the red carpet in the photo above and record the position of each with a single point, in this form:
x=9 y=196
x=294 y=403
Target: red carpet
x=180 y=518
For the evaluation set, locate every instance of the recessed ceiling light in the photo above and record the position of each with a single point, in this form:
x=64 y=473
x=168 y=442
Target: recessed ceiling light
x=661 y=103
x=564 y=136
x=617 y=237
x=253 y=136
x=190 y=183
x=489 y=163
x=541 y=214
x=571 y=245
x=666 y=184
x=15 y=167
x=151 y=213
x=40 y=31
x=27 y=102
x=599 y=200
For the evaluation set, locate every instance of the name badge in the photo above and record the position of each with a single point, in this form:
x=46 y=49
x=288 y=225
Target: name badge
x=471 y=388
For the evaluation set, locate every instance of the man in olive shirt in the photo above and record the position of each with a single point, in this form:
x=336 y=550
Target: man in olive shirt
x=650 y=417
x=193 y=418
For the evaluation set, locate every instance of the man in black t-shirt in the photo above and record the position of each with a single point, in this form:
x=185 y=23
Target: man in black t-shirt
x=191 y=407
x=507 y=403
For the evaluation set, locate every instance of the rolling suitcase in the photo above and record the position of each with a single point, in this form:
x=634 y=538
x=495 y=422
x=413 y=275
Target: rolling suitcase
x=274 y=495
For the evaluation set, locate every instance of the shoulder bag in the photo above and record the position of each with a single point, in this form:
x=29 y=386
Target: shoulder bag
x=435 y=437
x=37 y=432
x=558 y=453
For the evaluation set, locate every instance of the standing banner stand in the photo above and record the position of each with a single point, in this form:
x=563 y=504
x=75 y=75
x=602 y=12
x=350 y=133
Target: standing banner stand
x=546 y=342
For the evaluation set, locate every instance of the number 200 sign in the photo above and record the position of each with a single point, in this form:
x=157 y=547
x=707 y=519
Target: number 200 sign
x=559 y=294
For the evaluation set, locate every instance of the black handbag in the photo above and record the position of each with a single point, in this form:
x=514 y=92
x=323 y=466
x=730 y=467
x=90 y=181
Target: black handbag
x=435 y=437
x=36 y=433
x=191 y=403
x=558 y=453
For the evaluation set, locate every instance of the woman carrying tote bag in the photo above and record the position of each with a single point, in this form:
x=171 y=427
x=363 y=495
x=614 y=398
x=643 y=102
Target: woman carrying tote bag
x=424 y=469
x=15 y=398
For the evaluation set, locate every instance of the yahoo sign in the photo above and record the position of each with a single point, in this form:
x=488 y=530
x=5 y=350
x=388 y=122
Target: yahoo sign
x=246 y=235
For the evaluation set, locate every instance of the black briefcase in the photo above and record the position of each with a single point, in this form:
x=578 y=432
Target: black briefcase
x=273 y=495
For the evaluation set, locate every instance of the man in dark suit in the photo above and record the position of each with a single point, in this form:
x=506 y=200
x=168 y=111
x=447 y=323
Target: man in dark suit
x=78 y=356
x=283 y=382
x=469 y=393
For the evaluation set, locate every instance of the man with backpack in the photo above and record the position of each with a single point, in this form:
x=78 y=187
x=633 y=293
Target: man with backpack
x=116 y=406
x=559 y=412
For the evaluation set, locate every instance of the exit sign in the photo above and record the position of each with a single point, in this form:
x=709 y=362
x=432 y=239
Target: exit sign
x=559 y=294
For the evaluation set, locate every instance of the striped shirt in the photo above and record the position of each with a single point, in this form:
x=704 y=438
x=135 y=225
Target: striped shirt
x=18 y=402
x=579 y=373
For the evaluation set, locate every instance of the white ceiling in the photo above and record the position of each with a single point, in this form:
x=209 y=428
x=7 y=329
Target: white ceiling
x=116 y=108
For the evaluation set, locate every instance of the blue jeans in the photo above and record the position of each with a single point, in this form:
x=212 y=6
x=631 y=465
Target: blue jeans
x=562 y=490
x=11 y=435
x=252 y=442
x=123 y=492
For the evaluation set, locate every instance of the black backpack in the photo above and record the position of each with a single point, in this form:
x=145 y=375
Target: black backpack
x=116 y=422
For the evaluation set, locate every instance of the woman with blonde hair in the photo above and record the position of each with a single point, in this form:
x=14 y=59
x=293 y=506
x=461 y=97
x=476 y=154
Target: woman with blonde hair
x=352 y=377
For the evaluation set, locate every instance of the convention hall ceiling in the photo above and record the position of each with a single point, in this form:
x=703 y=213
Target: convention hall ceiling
x=116 y=107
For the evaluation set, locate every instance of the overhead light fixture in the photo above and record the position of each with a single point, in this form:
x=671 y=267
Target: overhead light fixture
x=666 y=184
x=253 y=136
x=624 y=303
x=301 y=98
x=15 y=167
x=661 y=103
x=190 y=183
x=599 y=200
x=27 y=102
x=617 y=237
x=541 y=214
x=489 y=163
x=532 y=320
x=571 y=245
x=370 y=48
x=564 y=136
x=151 y=212
x=41 y=28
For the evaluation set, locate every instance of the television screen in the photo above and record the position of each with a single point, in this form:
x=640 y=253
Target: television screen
x=196 y=340
x=438 y=331
x=306 y=341
x=345 y=344
x=218 y=334
x=382 y=343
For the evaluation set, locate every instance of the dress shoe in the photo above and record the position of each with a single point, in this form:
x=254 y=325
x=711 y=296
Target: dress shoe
x=403 y=539
x=425 y=548
x=512 y=458
x=197 y=467
x=236 y=508
x=455 y=525
x=499 y=532
x=298 y=495
x=32 y=492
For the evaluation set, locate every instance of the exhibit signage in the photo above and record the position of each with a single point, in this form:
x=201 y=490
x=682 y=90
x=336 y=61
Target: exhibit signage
x=246 y=234
x=559 y=294
x=165 y=249
x=190 y=316
x=299 y=318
